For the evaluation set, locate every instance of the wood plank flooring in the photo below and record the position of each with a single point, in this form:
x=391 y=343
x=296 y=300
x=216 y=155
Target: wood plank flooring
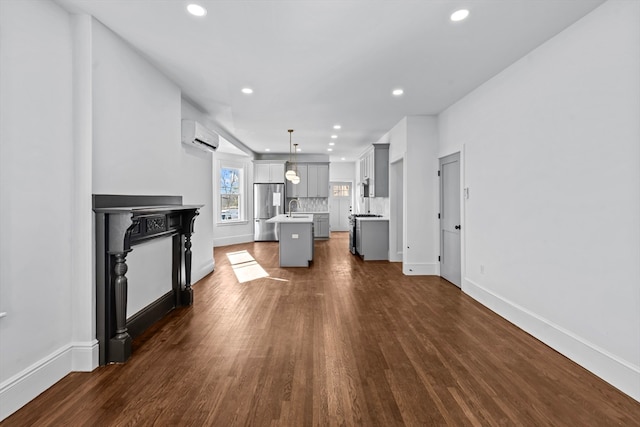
x=344 y=342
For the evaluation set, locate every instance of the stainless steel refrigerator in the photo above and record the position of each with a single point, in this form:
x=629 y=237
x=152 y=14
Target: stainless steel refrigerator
x=268 y=201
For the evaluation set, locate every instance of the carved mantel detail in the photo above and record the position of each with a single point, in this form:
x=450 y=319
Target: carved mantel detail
x=155 y=224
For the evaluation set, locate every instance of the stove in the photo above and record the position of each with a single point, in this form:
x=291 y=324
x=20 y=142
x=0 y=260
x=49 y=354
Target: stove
x=352 y=229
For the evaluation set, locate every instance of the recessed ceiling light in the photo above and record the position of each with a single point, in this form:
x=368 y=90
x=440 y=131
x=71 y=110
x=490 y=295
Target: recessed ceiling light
x=342 y=158
x=459 y=15
x=332 y=143
x=397 y=92
x=334 y=136
x=247 y=90
x=329 y=149
x=196 y=10
x=337 y=127
x=267 y=149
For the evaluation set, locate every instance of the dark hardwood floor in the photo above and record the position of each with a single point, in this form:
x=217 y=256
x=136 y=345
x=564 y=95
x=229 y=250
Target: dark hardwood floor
x=344 y=342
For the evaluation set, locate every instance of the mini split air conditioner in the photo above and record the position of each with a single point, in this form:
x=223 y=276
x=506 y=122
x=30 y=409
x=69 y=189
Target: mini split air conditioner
x=196 y=135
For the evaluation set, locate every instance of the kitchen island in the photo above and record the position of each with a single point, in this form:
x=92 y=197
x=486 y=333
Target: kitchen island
x=296 y=239
x=372 y=238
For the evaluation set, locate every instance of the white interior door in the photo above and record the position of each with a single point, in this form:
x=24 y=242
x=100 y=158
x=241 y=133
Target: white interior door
x=339 y=205
x=450 y=219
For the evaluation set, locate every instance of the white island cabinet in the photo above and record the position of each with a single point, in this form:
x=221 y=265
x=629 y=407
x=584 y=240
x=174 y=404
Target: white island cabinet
x=296 y=239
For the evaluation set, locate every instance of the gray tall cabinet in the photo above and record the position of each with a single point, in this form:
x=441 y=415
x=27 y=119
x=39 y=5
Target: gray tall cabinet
x=374 y=169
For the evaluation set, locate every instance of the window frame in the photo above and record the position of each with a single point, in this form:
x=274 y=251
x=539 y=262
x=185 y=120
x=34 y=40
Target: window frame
x=242 y=192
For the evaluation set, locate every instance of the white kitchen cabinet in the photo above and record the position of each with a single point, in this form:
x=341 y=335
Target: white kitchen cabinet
x=261 y=172
x=268 y=172
x=299 y=189
x=365 y=165
x=372 y=238
x=318 y=180
x=321 y=225
x=276 y=172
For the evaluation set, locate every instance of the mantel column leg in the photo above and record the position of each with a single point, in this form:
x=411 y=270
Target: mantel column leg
x=187 y=293
x=120 y=344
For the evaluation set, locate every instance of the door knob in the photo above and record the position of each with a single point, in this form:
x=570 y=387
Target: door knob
x=457 y=227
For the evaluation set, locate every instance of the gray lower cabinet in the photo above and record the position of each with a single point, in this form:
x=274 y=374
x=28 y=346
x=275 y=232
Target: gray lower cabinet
x=296 y=244
x=321 y=226
x=372 y=238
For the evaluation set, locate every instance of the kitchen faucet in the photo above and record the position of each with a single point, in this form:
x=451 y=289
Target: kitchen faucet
x=297 y=203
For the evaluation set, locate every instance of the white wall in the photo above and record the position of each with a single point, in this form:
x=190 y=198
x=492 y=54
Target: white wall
x=196 y=168
x=36 y=182
x=342 y=171
x=414 y=140
x=420 y=255
x=136 y=122
x=552 y=164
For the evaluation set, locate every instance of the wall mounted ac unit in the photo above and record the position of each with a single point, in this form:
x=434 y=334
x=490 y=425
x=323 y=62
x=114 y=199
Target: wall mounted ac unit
x=196 y=135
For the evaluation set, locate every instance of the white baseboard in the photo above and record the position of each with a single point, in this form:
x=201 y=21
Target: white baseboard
x=201 y=272
x=397 y=257
x=232 y=240
x=421 y=269
x=85 y=356
x=23 y=387
x=620 y=373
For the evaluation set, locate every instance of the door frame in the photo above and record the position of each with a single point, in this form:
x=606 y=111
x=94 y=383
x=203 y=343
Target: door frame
x=463 y=192
x=351 y=198
x=397 y=210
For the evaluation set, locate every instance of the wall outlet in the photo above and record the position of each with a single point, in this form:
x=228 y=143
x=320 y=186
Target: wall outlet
x=294 y=236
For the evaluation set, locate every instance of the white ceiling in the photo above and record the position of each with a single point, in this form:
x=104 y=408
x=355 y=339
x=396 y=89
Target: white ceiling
x=316 y=63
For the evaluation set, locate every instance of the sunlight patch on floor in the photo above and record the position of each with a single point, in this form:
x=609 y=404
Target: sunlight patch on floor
x=245 y=267
x=239 y=257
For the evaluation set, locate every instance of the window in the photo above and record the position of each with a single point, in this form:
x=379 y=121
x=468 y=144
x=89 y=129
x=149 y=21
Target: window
x=231 y=194
x=339 y=190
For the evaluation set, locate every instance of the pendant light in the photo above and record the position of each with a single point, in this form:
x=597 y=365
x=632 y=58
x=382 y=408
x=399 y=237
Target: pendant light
x=291 y=173
x=296 y=178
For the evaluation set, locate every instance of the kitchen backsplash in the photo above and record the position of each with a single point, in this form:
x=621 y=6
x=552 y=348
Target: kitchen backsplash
x=374 y=205
x=311 y=204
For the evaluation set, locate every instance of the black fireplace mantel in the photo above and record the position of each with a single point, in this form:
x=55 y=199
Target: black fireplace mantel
x=122 y=222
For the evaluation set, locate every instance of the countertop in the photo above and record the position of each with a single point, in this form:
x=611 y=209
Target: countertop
x=311 y=212
x=373 y=218
x=298 y=217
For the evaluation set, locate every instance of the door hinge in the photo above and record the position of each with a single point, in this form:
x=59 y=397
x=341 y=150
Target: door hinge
x=438 y=258
x=438 y=173
x=438 y=216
